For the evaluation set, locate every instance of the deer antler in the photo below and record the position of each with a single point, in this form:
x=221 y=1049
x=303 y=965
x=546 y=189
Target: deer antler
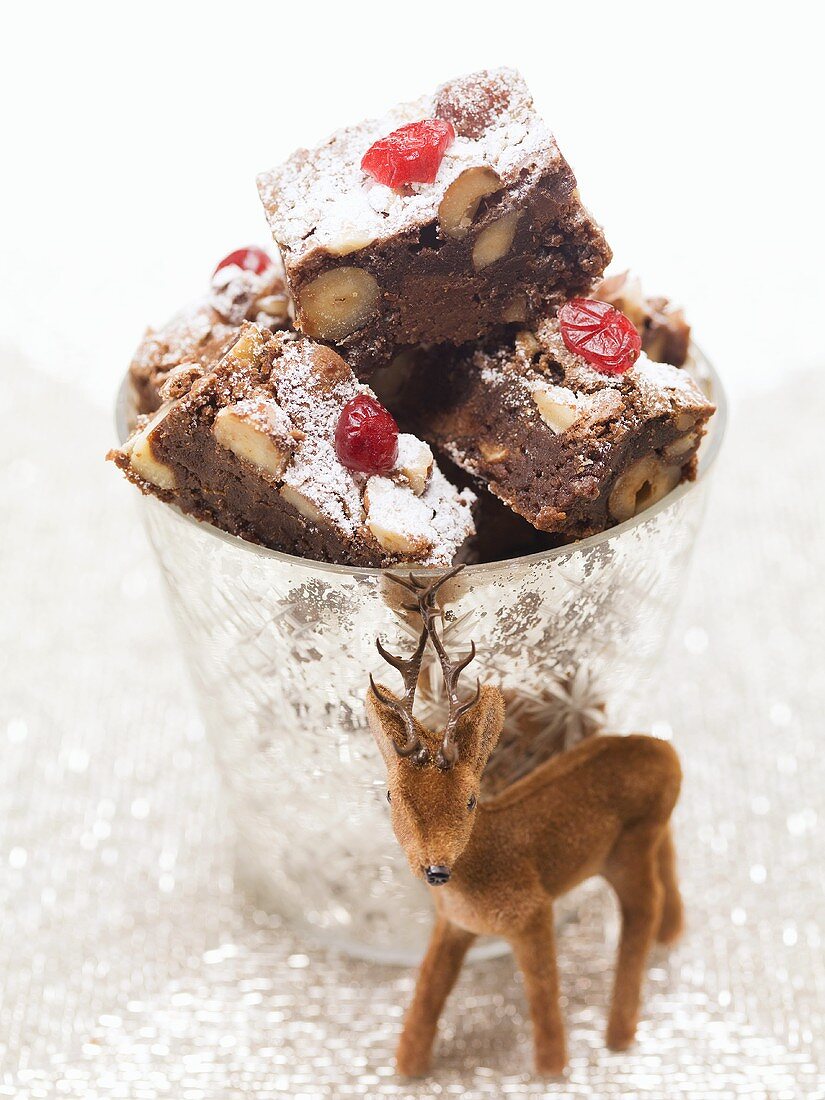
x=410 y=667
x=425 y=595
x=448 y=753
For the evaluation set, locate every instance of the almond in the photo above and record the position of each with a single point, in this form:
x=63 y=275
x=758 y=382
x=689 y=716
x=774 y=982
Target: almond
x=495 y=241
x=258 y=432
x=462 y=198
x=337 y=303
x=142 y=457
x=641 y=485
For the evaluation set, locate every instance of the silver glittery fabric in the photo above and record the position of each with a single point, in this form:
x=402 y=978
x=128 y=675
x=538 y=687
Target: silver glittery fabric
x=132 y=965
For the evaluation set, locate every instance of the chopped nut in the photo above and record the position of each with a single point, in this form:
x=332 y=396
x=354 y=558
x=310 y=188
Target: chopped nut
x=349 y=240
x=337 y=302
x=680 y=447
x=685 y=421
x=180 y=380
x=557 y=405
x=527 y=343
x=495 y=241
x=415 y=462
x=248 y=345
x=399 y=520
x=640 y=486
x=275 y=307
x=493 y=452
x=256 y=431
x=302 y=504
x=461 y=200
x=142 y=458
x=330 y=367
x=396 y=542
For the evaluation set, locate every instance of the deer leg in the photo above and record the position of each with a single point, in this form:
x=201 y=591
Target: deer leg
x=535 y=951
x=632 y=870
x=672 y=921
x=445 y=953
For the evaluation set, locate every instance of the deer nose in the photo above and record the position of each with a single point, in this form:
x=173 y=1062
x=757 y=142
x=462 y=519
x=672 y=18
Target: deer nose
x=437 y=875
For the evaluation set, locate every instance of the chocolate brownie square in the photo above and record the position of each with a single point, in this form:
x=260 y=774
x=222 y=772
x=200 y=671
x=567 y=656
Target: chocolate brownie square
x=498 y=235
x=572 y=450
x=250 y=446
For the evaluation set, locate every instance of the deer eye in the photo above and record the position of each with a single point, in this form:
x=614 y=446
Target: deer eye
x=471 y=805
x=389 y=797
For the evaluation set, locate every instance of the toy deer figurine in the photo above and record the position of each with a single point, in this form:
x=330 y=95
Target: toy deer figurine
x=495 y=867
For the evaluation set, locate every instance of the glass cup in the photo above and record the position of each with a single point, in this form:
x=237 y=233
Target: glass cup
x=281 y=649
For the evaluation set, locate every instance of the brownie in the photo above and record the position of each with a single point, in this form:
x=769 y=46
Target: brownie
x=662 y=326
x=498 y=236
x=500 y=532
x=249 y=446
x=196 y=337
x=572 y=450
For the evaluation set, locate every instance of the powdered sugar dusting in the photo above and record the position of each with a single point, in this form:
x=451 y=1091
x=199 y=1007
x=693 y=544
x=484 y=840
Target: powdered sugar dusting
x=411 y=450
x=322 y=199
x=265 y=414
x=452 y=521
x=435 y=524
x=312 y=391
x=312 y=402
x=653 y=389
x=317 y=475
x=661 y=381
x=392 y=507
x=182 y=339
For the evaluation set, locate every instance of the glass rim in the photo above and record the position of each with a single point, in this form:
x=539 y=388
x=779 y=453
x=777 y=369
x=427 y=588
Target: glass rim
x=707 y=378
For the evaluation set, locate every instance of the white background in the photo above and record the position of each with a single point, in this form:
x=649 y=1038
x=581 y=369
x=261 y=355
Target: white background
x=133 y=134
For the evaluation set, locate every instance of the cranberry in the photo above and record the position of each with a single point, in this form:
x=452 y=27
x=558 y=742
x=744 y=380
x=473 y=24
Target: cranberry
x=600 y=334
x=248 y=259
x=366 y=436
x=411 y=154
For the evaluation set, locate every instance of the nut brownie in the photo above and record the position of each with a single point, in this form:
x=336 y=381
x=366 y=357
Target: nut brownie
x=571 y=449
x=447 y=217
x=251 y=447
x=196 y=337
x=662 y=326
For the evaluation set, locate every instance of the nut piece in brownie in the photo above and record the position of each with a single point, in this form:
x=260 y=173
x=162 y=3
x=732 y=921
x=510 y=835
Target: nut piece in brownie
x=662 y=326
x=251 y=447
x=571 y=449
x=248 y=285
x=445 y=218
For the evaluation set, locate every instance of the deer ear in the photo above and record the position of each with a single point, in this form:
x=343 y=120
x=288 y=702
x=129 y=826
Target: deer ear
x=384 y=725
x=482 y=726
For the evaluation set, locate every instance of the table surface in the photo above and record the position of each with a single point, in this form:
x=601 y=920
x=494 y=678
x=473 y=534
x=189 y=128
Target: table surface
x=131 y=965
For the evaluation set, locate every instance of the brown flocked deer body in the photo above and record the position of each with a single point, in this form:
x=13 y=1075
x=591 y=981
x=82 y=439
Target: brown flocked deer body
x=495 y=867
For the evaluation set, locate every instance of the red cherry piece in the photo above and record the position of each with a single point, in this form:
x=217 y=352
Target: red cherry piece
x=600 y=334
x=411 y=154
x=248 y=259
x=366 y=436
